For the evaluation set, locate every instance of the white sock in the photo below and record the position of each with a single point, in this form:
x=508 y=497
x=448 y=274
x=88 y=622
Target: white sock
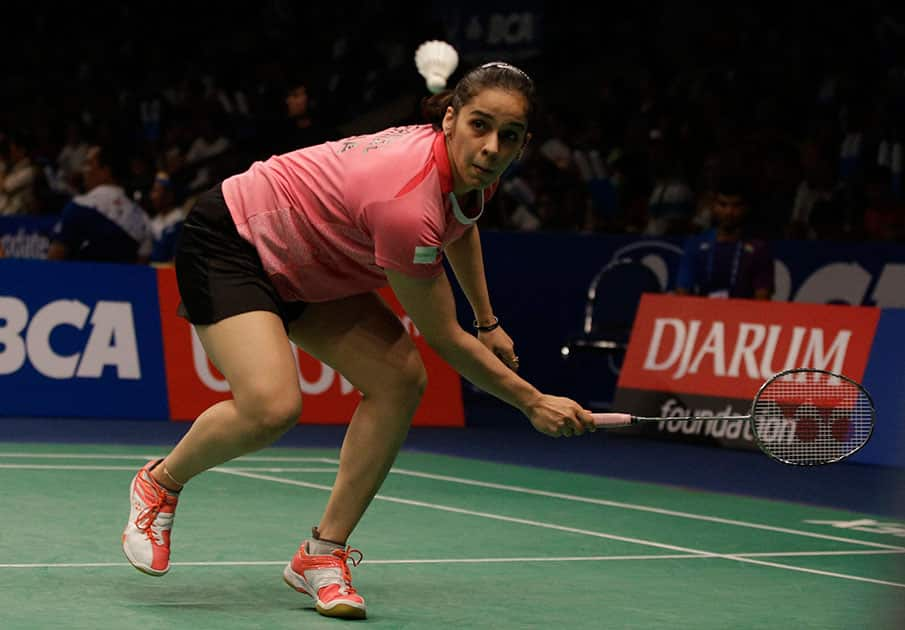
x=322 y=547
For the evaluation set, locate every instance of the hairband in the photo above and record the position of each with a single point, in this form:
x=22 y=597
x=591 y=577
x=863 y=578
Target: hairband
x=505 y=66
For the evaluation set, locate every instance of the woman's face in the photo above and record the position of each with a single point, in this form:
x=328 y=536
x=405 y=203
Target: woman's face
x=484 y=137
x=297 y=102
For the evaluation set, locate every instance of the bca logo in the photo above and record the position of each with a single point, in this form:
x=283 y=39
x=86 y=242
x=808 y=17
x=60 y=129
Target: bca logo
x=111 y=341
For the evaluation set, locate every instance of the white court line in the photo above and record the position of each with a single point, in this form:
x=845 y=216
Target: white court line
x=262 y=563
x=277 y=470
x=647 y=543
x=134 y=469
x=146 y=457
x=858 y=552
x=76 y=456
x=63 y=467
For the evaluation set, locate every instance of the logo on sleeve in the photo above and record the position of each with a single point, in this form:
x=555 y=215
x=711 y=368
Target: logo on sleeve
x=425 y=255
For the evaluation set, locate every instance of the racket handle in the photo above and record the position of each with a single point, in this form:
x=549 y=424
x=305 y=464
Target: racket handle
x=612 y=419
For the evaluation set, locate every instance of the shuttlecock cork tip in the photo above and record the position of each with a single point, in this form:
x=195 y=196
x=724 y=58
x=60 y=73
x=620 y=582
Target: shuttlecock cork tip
x=436 y=83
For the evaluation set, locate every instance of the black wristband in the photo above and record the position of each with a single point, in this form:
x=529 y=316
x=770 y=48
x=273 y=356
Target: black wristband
x=488 y=327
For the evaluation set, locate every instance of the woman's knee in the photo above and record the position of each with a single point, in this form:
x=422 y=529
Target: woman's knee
x=271 y=411
x=409 y=379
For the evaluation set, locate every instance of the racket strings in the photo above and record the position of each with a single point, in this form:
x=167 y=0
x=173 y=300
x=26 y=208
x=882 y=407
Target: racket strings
x=812 y=418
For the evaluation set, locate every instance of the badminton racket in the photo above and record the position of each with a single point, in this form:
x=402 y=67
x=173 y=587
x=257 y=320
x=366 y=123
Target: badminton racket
x=802 y=416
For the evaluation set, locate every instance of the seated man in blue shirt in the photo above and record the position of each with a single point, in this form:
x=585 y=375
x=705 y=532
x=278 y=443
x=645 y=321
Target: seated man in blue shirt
x=722 y=262
x=103 y=224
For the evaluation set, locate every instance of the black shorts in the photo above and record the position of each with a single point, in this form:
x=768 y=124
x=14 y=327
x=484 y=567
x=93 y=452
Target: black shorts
x=220 y=273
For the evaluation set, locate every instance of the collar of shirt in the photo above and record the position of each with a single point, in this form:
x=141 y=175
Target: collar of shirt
x=441 y=158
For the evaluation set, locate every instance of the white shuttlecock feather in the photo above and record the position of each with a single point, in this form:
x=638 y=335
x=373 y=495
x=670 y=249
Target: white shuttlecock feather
x=436 y=61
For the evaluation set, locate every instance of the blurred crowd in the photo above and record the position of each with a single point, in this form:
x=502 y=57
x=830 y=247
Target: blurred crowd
x=807 y=104
x=642 y=110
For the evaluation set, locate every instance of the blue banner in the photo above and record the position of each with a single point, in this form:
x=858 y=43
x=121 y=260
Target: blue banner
x=884 y=379
x=865 y=274
x=26 y=236
x=80 y=340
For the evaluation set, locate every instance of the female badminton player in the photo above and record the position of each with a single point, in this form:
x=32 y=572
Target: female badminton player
x=296 y=246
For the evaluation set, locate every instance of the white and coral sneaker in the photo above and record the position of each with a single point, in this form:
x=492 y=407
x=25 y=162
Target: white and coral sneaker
x=328 y=580
x=146 y=539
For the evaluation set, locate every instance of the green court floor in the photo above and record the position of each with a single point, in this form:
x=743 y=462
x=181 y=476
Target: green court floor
x=448 y=543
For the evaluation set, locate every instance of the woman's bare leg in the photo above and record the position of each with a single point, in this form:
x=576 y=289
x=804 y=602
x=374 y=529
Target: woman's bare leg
x=252 y=352
x=362 y=339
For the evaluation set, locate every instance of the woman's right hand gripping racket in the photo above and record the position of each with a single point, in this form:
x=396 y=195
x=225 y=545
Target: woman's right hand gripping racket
x=801 y=416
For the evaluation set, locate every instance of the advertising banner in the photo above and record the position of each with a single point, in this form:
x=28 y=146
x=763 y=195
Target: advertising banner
x=328 y=398
x=24 y=236
x=705 y=357
x=80 y=340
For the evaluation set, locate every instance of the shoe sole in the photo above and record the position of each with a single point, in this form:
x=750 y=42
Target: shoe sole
x=342 y=611
x=339 y=610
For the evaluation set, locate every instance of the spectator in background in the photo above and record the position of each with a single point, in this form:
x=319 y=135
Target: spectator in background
x=671 y=207
x=210 y=145
x=523 y=201
x=70 y=160
x=884 y=215
x=104 y=224
x=724 y=262
x=602 y=206
x=815 y=189
x=17 y=177
x=891 y=154
x=301 y=127
x=174 y=142
x=167 y=217
x=778 y=177
x=561 y=195
x=139 y=177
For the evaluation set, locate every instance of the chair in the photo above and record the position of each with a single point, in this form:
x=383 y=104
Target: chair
x=612 y=301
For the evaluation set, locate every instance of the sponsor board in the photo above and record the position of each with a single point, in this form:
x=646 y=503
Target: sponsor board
x=80 y=340
x=730 y=347
x=695 y=356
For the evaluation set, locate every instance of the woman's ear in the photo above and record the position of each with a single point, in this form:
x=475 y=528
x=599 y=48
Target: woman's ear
x=449 y=119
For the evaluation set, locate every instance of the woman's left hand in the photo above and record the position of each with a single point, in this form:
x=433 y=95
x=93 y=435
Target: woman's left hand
x=498 y=342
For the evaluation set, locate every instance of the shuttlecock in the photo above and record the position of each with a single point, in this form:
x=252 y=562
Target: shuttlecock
x=436 y=61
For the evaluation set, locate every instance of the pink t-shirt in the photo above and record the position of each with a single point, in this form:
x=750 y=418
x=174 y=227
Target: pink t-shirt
x=327 y=220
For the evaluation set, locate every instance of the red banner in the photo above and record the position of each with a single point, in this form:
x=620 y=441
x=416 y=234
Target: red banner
x=728 y=348
x=194 y=384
